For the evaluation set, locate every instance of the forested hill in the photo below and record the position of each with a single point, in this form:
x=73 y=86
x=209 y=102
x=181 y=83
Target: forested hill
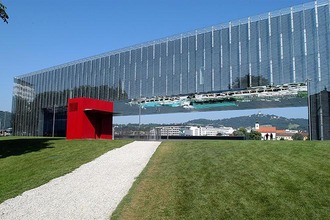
x=249 y=121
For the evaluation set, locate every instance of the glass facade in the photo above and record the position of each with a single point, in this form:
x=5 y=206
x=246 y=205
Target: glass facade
x=278 y=48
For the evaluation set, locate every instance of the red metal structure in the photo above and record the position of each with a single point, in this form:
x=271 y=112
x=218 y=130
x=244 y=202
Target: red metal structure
x=89 y=119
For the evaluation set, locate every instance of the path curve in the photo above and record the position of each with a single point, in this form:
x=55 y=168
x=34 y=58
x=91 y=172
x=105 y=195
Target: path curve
x=92 y=191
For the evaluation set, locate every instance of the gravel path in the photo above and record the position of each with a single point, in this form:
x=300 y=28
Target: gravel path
x=92 y=191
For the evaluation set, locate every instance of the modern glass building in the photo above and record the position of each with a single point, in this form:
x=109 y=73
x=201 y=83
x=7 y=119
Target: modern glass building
x=269 y=60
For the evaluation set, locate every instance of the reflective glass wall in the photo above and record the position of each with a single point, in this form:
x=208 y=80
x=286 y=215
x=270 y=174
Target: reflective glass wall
x=286 y=46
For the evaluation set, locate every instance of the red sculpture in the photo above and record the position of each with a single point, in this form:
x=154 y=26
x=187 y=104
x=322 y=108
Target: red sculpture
x=89 y=119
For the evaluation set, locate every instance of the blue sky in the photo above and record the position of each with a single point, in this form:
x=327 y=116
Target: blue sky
x=42 y=34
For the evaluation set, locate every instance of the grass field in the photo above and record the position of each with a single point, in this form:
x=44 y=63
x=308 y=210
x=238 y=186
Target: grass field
x=26 y=163
x=232 y=180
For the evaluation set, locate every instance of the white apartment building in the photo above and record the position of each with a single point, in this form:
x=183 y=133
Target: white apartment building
x=194 y=131
x=171 y=130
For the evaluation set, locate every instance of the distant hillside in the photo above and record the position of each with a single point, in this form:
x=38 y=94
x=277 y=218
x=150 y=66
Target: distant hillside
x=249 y=121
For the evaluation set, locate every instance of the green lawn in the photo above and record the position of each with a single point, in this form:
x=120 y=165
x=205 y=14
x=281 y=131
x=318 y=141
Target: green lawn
x=232 y=180
x=26 y=163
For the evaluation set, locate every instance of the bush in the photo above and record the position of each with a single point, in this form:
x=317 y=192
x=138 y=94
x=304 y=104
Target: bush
x=241 y=132
x=254 y=135
x=298 y=137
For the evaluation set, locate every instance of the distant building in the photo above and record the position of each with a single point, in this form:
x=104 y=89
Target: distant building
x=223 y=131
x=194 y=131
x=269 y=132
x=284 y=135
x=5 y=120
x=288 y=134
x=171 y=130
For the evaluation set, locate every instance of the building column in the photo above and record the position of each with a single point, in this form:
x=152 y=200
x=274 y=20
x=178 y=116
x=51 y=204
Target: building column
x=320 y=116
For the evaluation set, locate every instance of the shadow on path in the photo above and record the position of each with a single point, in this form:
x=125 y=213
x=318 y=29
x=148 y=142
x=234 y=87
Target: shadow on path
x=20 y=146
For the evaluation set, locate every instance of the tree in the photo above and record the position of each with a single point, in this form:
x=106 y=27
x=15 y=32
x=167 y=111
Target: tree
x=3 y=15
x=241 y=132
x=254 y=135
x=297 y=137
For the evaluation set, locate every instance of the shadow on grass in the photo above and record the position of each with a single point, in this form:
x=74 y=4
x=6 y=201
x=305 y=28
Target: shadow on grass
x=12 y=147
